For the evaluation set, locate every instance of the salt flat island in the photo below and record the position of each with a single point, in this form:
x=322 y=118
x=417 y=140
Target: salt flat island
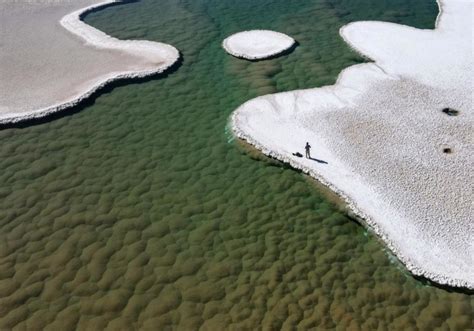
x=53 y=60
x=385 y=138
x=257 y=44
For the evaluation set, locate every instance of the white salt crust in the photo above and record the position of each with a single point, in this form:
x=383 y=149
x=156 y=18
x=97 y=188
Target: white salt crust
x=257 y=44
x=381 y=131
x=152 y=58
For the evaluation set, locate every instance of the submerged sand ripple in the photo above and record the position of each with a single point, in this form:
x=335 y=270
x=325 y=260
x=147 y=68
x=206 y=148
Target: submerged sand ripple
x=152 y=209
x=392 y=154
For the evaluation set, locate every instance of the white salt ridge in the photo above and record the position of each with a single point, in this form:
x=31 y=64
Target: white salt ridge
x=162 y=54
x=150 y=58
x=257 y=44
x=381 y=131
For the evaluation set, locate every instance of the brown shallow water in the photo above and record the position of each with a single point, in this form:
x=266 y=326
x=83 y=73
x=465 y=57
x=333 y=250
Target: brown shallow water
x=141 y=211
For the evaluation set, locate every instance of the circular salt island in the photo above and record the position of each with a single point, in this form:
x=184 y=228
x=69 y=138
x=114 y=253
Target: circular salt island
x=257 y=44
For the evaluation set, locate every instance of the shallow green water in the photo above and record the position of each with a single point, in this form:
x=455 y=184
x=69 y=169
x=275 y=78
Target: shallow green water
x=141 y=211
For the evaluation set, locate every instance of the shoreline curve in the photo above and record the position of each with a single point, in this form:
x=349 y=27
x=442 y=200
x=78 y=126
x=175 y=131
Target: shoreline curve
x=164 y=54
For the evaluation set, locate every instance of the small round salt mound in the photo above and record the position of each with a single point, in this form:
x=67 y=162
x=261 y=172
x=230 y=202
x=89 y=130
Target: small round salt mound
x=257 y=44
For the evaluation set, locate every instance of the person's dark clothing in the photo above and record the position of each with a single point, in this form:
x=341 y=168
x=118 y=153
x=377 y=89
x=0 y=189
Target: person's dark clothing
x=308 y=149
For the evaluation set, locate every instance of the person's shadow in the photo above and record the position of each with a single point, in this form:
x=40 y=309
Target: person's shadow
x=317 y=160
x=298 y=154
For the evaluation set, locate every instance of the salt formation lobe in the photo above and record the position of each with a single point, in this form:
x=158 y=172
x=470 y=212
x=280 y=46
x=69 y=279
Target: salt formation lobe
x=257 y=44
x=398 y=160
x=79 y=59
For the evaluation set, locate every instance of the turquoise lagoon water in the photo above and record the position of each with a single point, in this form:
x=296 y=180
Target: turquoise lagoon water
x=140 y=210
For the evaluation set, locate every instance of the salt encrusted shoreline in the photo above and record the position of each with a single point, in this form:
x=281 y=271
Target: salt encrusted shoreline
x=162 y=55
x=270 y=44
x=263 y=120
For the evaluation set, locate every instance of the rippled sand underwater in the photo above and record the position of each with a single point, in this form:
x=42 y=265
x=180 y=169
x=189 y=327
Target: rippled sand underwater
x=139 y=210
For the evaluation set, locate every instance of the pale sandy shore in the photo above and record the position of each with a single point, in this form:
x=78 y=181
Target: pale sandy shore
x=257 y=44
x=51 y=60
x=380 y=138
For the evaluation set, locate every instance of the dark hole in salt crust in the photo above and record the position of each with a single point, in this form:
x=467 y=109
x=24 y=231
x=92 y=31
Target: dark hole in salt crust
x=447 y=150
x=450 y=111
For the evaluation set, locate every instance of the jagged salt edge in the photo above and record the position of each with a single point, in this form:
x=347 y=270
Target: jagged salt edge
x=367 y=220
x=244 y=56
x=73 y=23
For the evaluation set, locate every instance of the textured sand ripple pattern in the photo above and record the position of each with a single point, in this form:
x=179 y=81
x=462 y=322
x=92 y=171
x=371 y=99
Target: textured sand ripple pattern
x=137 y=213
